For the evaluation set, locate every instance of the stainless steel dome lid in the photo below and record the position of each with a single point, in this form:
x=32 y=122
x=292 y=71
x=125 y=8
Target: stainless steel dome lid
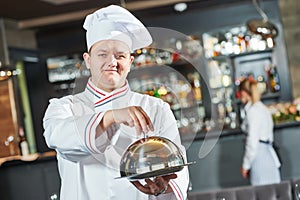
x=150 y=157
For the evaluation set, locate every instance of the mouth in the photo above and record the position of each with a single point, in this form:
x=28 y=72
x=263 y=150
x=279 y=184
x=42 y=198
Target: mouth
x=111 y=70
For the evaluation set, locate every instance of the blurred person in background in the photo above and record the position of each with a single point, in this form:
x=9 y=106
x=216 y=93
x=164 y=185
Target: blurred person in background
x=260 y=161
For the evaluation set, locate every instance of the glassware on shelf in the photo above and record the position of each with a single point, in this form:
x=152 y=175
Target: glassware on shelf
x=215 y=74
x=234 y=40
x=273 y=78
x=176 y=91
x=174 y=50
x=148 y=56
x=267 y=79
x=297 y=191
x=183 y=92
x=23 y=144
x=192 y=48
x=233 y=120
x=194 y=79
x=220 y=82
x=261 y=84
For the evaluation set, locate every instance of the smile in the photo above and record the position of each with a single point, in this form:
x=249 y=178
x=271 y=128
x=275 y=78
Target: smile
x=112 y=71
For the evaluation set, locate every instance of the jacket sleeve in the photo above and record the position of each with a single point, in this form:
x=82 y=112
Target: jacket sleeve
x=69 y=128
x=255 y=118
x=168 y=128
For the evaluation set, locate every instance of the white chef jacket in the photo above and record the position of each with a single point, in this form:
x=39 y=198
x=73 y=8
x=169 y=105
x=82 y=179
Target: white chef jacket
x=260 y=157
x=89 y=167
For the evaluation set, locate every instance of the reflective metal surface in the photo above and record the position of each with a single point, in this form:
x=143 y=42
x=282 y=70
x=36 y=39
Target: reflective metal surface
x=150 y=157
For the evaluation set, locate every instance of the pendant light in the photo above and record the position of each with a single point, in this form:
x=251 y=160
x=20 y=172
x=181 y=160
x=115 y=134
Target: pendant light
x=262 y=26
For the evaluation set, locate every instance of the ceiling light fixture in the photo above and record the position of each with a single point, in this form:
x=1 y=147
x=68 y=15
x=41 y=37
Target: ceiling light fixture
x=81 y=14
x=61 y=2
x=180 y=7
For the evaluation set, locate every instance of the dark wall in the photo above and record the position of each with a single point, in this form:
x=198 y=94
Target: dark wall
x=34 y=180
x=220 y=168
x=39 y=91
x=62 y=40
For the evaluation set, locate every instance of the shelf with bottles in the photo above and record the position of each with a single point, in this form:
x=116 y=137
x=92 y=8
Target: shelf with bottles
x=234 y=54
x=234 y=41
x=222 y=93
x=170 y=51
x=179 y=90
x=172 y=76
x=260 y=68
x=245 y=54
x=182 y=92
x=166 y=71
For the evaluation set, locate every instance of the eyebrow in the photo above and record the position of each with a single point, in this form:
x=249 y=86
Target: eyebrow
x=105 y=50
x=120 y=52
x=102 y=50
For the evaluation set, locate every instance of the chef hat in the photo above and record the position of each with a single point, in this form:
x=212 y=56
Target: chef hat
x=116 y=23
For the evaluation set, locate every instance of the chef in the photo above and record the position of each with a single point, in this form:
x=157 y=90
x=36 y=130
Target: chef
x=91 y=130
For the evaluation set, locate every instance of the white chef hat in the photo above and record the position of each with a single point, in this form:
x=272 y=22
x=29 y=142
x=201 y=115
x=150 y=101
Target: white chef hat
x=116 y=23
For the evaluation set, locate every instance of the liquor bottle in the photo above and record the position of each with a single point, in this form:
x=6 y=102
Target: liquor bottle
x=196 y=86
x=241 y=42
x=23 y=144
x=274 y=83
x=261 y=84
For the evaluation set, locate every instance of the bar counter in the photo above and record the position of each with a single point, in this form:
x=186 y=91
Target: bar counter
x=219 y=156
x=215 y=168
x=230 y=132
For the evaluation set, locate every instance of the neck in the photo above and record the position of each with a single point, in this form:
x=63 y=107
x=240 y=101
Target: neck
x=109 y=87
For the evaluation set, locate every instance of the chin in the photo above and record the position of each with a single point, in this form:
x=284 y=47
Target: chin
x=114 y=84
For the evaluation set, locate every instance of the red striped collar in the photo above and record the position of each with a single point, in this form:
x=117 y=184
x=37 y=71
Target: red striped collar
x=94 y=90
x=100 y=97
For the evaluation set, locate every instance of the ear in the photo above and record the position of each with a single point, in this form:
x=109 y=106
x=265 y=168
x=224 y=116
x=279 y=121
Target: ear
x=87 y=59
x=131 y=61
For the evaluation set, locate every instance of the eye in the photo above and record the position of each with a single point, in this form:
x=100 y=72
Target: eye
x=103 y=55
x=120 y=56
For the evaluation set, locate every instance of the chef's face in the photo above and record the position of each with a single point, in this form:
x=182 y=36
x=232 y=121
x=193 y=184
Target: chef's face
x=109 y=62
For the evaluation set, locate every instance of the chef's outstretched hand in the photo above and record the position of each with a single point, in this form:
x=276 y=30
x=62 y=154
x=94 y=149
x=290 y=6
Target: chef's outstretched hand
x=133 y=116
x=159 y=185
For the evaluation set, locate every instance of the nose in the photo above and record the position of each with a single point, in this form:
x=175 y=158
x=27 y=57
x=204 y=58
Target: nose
x=112 y=61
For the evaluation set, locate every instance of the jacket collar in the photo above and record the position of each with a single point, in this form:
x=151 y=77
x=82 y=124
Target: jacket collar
x=248 y=106
x=101 y=98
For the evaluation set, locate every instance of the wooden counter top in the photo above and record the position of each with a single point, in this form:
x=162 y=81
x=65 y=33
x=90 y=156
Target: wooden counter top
x=29 y=158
